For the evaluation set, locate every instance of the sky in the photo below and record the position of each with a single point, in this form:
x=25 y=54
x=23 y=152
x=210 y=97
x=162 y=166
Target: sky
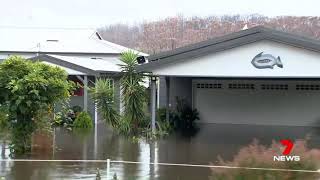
x=98 y=13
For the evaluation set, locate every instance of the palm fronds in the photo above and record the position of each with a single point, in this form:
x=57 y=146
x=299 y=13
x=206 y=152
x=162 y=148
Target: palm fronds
x=133 y=93
x=103 y=96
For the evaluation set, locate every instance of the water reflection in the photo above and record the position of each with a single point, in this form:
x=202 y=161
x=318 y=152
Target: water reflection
x=102 y=143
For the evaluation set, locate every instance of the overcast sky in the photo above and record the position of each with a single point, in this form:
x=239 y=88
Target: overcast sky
x=96 y=13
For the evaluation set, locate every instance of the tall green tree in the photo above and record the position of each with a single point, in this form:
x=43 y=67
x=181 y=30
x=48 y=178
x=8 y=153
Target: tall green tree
x=133 y=92
x=28 y=88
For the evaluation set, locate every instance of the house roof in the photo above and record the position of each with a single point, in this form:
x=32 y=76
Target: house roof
x=229 y=41
x=82 y=65
x=56 y=40
x=68 y=70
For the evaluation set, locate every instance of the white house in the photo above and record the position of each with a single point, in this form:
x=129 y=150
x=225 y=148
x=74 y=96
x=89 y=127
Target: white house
x=81 y=52
x=229 y=80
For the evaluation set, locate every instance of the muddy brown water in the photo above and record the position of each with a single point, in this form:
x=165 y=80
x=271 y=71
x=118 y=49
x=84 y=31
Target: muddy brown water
x=101 y=143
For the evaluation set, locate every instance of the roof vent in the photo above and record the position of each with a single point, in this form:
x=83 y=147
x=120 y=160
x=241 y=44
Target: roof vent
x=96 y=58
x=52 y=40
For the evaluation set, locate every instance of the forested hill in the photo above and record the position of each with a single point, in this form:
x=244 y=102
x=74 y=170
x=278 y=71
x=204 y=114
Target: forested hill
x=170 y=33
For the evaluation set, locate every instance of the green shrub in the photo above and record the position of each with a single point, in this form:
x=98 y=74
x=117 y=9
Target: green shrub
x=259 y=156
x=162 y=123
x=65 y=117
x=83 y=120
x=28 y=88
x=181 y=119
x=77 y=109
x=4 y=121
x=161 y=114
x=165 y=127
x=185 y=116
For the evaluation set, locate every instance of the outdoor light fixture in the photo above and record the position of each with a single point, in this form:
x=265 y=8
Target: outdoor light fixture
x=141 y=59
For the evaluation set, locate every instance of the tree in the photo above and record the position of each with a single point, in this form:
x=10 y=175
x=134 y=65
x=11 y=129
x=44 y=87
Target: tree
x=28 y=88
x=133 y=92
x=174 y=32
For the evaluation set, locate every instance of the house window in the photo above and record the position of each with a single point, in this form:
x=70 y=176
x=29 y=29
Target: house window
x=274 y=86
x=241 y=86
x=308 y=87
x=209 y=85
x=78 y=91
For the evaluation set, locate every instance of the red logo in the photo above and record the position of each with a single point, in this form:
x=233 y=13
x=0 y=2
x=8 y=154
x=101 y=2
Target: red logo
x=288 y=144
x=285 y=154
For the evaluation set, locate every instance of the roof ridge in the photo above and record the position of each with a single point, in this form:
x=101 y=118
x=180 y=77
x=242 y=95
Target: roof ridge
x=214 y=41
x=118 y=47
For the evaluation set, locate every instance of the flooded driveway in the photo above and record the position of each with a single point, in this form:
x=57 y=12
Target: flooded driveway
x=100 y=144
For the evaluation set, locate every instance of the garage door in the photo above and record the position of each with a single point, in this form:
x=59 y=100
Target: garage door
x=263 y=102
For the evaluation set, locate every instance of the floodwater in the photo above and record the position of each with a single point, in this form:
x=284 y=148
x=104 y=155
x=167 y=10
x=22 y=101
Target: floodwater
x=101 y=143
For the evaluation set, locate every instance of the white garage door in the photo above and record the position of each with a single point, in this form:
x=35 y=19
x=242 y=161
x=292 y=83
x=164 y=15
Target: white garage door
x=263 y=102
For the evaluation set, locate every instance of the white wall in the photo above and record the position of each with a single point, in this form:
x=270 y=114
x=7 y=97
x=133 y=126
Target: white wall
x=236 y=62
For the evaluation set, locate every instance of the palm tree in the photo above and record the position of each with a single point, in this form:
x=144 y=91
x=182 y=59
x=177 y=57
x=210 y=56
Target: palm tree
x=133 y=92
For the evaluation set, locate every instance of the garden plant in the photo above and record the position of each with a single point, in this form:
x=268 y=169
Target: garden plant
x=29 y=88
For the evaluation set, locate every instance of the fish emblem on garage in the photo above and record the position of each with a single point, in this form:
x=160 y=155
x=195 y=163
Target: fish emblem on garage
x=264 y=61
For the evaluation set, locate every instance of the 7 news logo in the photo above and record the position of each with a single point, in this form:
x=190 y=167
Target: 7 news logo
x=285 y=154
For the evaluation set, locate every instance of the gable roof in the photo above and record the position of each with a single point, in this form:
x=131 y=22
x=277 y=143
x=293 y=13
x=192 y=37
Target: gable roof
x=85 y=65
x=56 y=40
x=229 y=41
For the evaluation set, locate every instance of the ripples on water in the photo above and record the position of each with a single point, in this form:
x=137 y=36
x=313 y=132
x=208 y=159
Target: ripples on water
x=102 y=143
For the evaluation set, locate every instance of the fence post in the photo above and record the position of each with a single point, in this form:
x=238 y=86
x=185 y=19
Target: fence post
x=108 y=169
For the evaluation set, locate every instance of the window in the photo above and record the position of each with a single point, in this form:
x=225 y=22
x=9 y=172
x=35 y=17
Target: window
x=241 y=86
x=308 y=87
x=274 y=86
x=209 y=86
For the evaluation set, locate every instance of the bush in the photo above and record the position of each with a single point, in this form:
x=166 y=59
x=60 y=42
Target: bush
x=185 y=116
x=28 y=88
x=65 y=117
x=77 y=109
x=259 y=156
x=181 y=119
x=163 y=124
x=162 y=112
x=4 y=121
x=83 y=120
